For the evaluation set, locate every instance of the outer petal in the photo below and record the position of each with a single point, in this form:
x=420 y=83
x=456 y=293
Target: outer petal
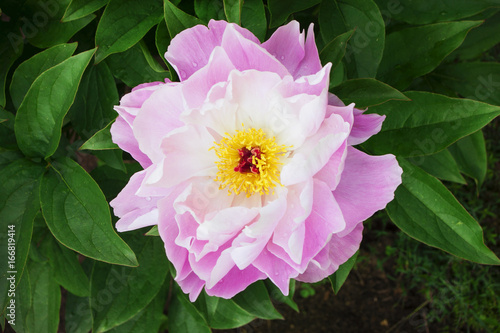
x=287 y=45
x=158 y=116
x=235 y=281
x=367 y=185
x=190 y=50
x=121 y=130
x=135 y=212
x=310 y=64
x=365 y=125
x=335 y=253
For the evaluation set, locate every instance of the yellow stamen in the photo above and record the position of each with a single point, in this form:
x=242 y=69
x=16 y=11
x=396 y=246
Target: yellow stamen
x=235 y=169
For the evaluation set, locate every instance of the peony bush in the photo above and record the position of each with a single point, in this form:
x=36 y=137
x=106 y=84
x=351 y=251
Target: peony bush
x=178 y=165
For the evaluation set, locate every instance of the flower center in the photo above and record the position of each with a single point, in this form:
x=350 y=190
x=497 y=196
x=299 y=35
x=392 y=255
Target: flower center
x=248 y=162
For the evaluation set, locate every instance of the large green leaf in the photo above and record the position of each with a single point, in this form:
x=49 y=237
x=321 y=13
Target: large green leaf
x=78 y=317
x=94 y=101
x=207 y=10
x=474 y=80
x=253 y=17
x=365 y=48
x=367 y=92
x=40 y=115
x=255 y=300
x=480 y=39
x=41 y=315
x=183 y=316
x=232 y=9
x=81 y=8
x=149 y=319
x=19 y=204
x=222 y=313
x=470 y=154
x=338 y=278
x=120 y=293
x=334 y=51
x=280 y=10
x=44 y=28
x=78 y=216
x=10 y=50
x=425 y=209
x=28 y=71
x=101 y=140
x=7 y=136
x=136 y=66
x=424 y=12
x=441 y=165
x=177 y=20
x=66 y=269
x=124 y=23
x=427 y=124
x=403 y=60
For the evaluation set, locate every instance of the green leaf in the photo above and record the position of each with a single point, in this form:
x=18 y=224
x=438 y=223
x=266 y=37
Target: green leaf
x=177 y=20
x=183 y=317
x=112 y=157
x=277 y=295
x=19 y=204
x=94 y=101
x=149 y=319
x=23 y=302
x=334 y=51
x=46 y=28
x=427 y=124
x=479 y=40
x=153 y=231
x=474 y=80
x=338 y=278
x=425 y=210
x=222 y=313
x=124 y=23
x=365 y=48
x=120 y=293
x=10 y=50
x=8 y=156
x=253 y=17
x=162 y=40
x=7 y=136
x=77 y=214
x=210 y=9
x=42 y=315
x=133 y=66
x=40 y=115
x=424 y=12
x=441 y=165
x=28 y=71
x=81 y=8
x=367 y=92
x=470 y=154
x=112 y=182
x=78 y=317
x=66 y=267
x=280 y=10
x=255 y=300
x=101 y=140
x=232 y=9
x=404 y=61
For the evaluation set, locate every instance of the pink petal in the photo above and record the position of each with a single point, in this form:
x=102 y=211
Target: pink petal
x=190 y=50
x=310 y=64
x=278 y=271
x=367 y=185
x=365 y=125
x=235 y=281
x=135 y=212
x=245 y=54
x=332 y=171
x=335 y=253
x=287 y=45
x=159 y=115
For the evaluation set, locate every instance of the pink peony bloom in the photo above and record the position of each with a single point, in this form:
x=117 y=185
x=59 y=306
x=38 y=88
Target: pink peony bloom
x=249 y=170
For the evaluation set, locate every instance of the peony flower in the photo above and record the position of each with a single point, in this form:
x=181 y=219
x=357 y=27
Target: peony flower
x=249 y=167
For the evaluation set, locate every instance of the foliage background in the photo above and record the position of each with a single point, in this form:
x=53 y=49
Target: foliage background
x=430 y=67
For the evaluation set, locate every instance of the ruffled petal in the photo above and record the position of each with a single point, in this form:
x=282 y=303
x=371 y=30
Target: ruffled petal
x=245 y=54
x=310 y=64
x=190 y=50
x=366 y=186
x=287 y=45
x=335 y=253
x=365 y=125
x=235 y=281
x=159 y=115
